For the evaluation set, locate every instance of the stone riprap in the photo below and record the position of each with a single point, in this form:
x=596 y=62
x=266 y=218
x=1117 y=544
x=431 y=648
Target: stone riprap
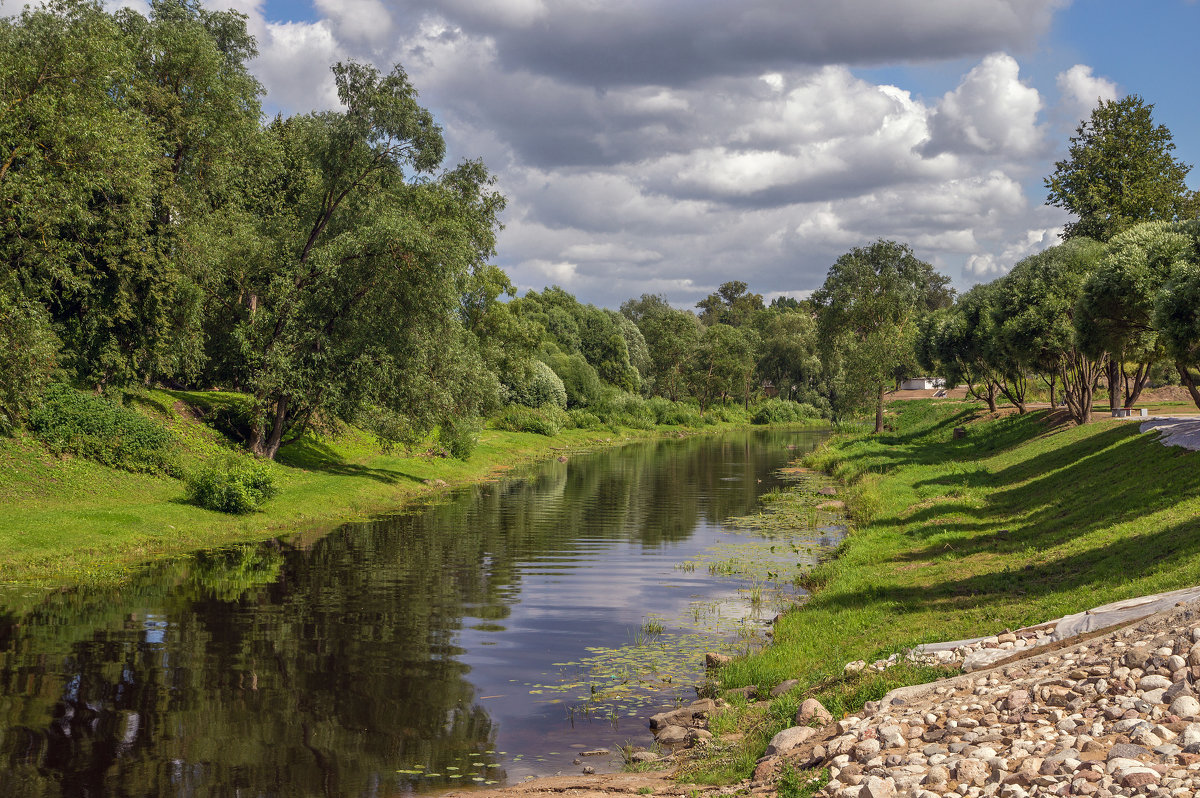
x=1114 y=715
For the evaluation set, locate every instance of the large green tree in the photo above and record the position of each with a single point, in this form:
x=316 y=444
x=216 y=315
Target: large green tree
x=1119 y=171
x=366 y=255
x=867 y=314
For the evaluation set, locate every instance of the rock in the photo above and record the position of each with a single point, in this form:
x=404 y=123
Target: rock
x=810 y=710
x=1190 y=736
x=672 y=735
x=1193 y=656
x=698 y=735
x=1180 y=687
x=1185 y=706
x=827 y=491
x=643 y=757
x=712 y=661
x=788 y=739
x=1017 y=699
x=876 y=787
x=1127 y=751
x=866 y=750
x=596 y=752
x=971 y=771
x=562 y=458
x=1153 y=682
x=854 y=667
x=676 y=717
x=748 y=692
x=892 y=737
x=783 y=687
x=1138 y=777
x=936 y=775
x=702 y=707
x=588 y=770
x=765 y=768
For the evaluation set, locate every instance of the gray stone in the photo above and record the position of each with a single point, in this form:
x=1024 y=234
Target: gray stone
x=783 y=687
x=810 y=710
x=643 y=756
x=1127 y=751
x=971 y=771
x=788 y=739
x=1153 y=682
x=672 y=735
x=867 y=750
x=1185 y=706
x=713 y=661
x=876 y=787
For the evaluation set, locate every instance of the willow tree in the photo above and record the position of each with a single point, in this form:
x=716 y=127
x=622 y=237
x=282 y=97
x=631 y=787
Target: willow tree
x=365 y=253
x=1034 y=317
x=867 y=314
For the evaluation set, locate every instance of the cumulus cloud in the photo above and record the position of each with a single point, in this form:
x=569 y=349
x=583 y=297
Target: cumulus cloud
x=1082 y=91
x=991 y=112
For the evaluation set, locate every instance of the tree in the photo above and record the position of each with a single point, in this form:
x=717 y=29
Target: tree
x=960 y=343
x=1034 y=316
x=789 y=356
x=731 y=304
x=367 y=258
x=867 y=314
x=1115 y=313
x=671 y=338
x=1120 y=171
x=1176 y=314
x=723 y=364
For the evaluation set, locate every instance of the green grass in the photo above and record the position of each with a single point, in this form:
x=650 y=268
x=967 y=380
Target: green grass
x=1019 y=522
x=67 y=520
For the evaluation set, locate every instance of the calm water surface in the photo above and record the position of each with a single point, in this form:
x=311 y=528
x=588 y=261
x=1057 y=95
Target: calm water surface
x=489 y=638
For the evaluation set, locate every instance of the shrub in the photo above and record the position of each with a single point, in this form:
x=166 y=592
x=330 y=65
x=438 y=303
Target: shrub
x=583 y=419
x=99 y=429
x=779 y=411
x=459 y=436
x=541 y=421
x=28 y=354
x=622 y=409
x=232 y=484
x=580 y=380
x=731 y=414
x=541 y=387
x=667 y=412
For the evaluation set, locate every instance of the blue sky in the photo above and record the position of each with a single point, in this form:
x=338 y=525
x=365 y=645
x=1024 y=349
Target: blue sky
x=666 y=146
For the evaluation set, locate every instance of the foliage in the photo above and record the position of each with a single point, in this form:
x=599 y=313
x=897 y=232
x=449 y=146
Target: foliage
x=671 y=413
x=867 y=313
x=780 y=411
x=100 y=429
x=232 y=483
x=518 y=418
x=722 y=365
x=460 y=436
x=731 y=304
x=28 y=356
x=540 y=387
x=580 y=381
x=1119 y=171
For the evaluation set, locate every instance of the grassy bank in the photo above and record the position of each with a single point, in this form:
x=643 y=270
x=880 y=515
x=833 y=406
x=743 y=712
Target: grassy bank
x=68 y=520
x=1021 y=521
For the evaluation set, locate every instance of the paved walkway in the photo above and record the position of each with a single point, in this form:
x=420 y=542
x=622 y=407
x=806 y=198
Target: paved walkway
x=1176 y=430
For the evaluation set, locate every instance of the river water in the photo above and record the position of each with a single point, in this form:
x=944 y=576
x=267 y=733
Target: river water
x=494 y=636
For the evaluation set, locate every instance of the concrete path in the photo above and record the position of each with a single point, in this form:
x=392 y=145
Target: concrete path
x=1176 y=430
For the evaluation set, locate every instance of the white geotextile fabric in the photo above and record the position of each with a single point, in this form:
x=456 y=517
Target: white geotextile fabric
x=1113 y=614
x=1176 y=431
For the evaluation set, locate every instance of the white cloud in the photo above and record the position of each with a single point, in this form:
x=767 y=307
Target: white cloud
x=991 y=112
x=1082 y=91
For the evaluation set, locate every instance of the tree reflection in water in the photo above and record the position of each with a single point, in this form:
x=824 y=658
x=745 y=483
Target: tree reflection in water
x=336 y=666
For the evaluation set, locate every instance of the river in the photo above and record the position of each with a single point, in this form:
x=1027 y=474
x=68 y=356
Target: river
x=493 y=636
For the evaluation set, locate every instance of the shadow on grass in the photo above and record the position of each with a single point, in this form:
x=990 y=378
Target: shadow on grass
x=313 y=455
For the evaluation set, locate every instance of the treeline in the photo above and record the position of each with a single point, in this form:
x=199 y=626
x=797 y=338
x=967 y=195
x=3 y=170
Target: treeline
x=155 y=230
x=1076 y=317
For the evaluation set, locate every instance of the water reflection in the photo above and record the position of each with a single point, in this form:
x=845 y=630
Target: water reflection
x=382 y=658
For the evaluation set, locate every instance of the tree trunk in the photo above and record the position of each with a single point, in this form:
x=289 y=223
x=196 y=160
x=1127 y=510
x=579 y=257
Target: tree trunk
x=1080 y=377
x=266 y=444
x=879 y=412
x=1113 y=374
x=1140 y=378
x=1053 y=385
x=991 y=396
x=1188 y=381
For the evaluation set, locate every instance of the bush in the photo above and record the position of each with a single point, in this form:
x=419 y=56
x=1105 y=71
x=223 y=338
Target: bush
x=731 y=414
x=779 y=411
x=459 y=436
x=672 y=413
x=28 y=355
x=99 y=429
x=232 y=484
x=580 y=381
x=583 y=419
x=622 y=409
x=541 y=421
x=541 y=387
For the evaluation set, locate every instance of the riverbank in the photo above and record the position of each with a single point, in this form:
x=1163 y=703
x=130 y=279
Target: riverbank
x=67 y=521
x=1021 y=520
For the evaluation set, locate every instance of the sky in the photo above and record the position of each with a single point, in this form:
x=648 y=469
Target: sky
x=668 y=146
